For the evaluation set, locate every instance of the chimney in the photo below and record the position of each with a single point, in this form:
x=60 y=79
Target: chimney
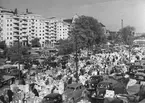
x=27 y=11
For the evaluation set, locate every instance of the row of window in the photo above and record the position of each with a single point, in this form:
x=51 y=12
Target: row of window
x=9 y=37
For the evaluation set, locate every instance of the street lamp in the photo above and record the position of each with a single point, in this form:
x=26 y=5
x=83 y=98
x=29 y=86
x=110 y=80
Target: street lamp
x=76 y=57
x=18 y=37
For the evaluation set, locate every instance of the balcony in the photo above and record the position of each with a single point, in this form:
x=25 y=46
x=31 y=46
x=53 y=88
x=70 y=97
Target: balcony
x=24 y=32
x=24 y=24
x=47 y=33
x=47 y=26
x=24 y=19
x=16 y=23
x=16 y=18
x=16 y=27
x=24 y=27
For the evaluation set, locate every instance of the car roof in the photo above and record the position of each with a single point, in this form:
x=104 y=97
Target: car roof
x=52 y=95
x=105 y=82
x=96 y=76
x=74 y=85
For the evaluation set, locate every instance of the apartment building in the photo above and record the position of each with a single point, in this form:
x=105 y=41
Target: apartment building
x=26 y=27
x=6 y=24
x=63 y=28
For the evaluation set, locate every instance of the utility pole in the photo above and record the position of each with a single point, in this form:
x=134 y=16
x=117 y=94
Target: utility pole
x=122 y=23
x=76 y=57
x=18 y=37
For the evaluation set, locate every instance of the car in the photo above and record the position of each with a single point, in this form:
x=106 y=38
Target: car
x=140 y=76
x=53 y=98
x=101 y=89
x=73 y=92
x=90 y=85
x=133 y=69
x=92 y=82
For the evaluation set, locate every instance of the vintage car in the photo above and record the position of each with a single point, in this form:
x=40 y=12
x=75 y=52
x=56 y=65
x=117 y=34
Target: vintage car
x=133 y=69
x=140 y=76
x=53 y=98
x=109 y=84
x=101 y=89
x=91 y=84
x=73 y=92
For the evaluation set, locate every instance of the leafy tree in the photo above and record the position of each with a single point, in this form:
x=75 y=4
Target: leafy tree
x=65 y=47
x=13 y=53
x=88 y=31
x=35 y=42
x=16 y=11
x=3 y=45
x=127 y=35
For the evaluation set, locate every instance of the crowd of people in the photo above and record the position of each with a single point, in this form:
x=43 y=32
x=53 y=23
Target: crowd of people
x=54 y=79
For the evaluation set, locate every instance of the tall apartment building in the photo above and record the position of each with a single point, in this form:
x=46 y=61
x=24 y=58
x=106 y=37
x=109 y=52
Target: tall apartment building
x=26 y=26
x=63 y=28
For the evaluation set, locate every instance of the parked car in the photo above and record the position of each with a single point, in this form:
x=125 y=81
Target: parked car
x=73 y=92
x=101 y=89
x=91 y=84
x=140 y=76
x=52 y=98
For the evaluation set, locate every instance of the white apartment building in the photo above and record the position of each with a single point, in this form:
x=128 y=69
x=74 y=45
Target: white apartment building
x=28 y=26
x=6 y=24
x=25 y=26
x=63 y=28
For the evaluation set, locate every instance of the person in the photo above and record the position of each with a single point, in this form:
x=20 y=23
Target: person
x=2 y=98
x=10 y=95
x=35 y=92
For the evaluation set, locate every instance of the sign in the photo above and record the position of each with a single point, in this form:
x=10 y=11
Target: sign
x=109 y=93
x=142 y=82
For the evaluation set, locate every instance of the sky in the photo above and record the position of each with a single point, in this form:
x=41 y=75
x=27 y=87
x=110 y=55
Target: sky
x=109 y=12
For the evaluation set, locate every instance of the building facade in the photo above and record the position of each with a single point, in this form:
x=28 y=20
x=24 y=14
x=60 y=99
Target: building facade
x=27 y=26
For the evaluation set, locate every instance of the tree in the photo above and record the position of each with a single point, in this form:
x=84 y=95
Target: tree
x=127 y=35
x=12 y=52
x=88 y=31
x=16 y=11
x=35 y=42
x=3 y=45
x=65 y=47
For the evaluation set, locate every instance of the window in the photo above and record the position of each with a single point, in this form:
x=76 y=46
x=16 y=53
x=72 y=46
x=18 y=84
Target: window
x=7 y=24
x=10 y=37
x=7 y=37
x=10 y=33
x=10 y=24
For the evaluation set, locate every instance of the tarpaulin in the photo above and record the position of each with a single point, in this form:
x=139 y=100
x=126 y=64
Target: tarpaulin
x=133 y=89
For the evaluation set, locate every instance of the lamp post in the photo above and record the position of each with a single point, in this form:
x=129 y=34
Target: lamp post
x=76 y=57
x=18 y=37
x=19 y=54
